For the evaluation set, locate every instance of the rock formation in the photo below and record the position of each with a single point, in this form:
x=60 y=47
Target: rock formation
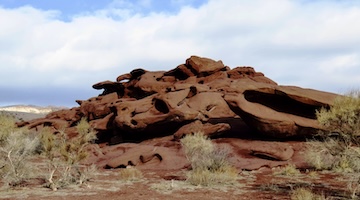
x=158 y=108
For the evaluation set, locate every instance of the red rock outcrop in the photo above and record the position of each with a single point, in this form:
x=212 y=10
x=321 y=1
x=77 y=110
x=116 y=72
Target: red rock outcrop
x=200 y=95
x=278 y=111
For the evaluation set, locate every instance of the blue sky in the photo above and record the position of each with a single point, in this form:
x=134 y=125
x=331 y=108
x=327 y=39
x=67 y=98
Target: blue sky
x=52 y=52
x=67 y=9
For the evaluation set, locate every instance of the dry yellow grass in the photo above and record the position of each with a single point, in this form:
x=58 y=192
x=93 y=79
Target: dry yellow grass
x=130 y=174
x=287 y=170
x=209 y=164
x=305 y=194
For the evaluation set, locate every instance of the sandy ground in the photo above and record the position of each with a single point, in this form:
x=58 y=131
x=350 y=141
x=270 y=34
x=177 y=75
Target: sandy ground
x=259 y=184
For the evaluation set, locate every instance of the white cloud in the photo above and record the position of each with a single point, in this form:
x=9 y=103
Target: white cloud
x=341 y=62
x=292 y=42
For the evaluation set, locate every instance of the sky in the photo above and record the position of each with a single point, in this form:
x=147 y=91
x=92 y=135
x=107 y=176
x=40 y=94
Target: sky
x=52 y=52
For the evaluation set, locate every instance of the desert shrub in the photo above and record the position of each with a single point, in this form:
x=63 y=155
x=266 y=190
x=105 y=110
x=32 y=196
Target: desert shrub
x=130 y=174
x=209 y=164
x=305 y=194
x=17 y=146
x=332 y=154
x=343 y=118
x=65 y=155
x=339 y=145
x=7 y=126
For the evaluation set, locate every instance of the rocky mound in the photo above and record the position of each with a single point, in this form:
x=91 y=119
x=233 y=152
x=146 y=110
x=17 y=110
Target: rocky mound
x=152 y=110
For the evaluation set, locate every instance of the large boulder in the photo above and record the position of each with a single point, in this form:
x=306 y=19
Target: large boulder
x=204 y=66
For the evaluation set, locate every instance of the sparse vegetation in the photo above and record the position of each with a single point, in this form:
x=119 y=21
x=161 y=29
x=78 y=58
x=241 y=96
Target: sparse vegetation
x=343 y=118
x=333 y=154
x=209 y=164
x=288 y=170
x=305 y=194
x=130 y=174
x=17 y=146
x=65 y=154
x=338 y=149
x=7 y=126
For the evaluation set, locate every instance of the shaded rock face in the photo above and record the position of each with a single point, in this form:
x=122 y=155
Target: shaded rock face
x=200 y=95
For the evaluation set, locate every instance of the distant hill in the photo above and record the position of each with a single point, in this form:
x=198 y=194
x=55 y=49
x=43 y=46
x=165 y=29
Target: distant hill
x=28 y=112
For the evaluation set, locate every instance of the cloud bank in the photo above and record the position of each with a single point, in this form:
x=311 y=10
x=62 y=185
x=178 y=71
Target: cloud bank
x=313 y=44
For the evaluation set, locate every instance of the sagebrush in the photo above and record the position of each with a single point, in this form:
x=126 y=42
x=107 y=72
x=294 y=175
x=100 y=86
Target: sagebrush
x=337 y=147
x=17 y=147
x=343 y=118
x=65 y=154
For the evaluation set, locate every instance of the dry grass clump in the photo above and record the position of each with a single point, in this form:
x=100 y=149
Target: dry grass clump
x=225 y=175
x=305 y=194
x=209 y=164
x=130 y=174
x=17 y=147
x=313 y=174
x=332 y=154
x=288 y=170
x=64 y=155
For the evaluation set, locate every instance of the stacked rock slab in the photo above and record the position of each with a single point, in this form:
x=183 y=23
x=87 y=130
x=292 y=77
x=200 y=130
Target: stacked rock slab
x=200 y=95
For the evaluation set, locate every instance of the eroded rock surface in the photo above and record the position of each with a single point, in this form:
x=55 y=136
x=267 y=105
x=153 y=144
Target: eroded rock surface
x=278 y=111
x=201 y=95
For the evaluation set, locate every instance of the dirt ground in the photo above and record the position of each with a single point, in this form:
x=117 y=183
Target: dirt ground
x=260 y=184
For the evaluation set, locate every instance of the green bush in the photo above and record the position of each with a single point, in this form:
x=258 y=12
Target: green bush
x=209 y=164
